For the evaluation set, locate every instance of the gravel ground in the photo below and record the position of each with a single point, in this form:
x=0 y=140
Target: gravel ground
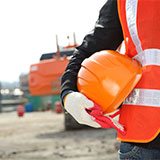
x=41 y=136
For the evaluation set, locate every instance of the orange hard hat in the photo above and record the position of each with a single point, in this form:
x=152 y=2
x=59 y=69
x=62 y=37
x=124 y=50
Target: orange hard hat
x=107 y=77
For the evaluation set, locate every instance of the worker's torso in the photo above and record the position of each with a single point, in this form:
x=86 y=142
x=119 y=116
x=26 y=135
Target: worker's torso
x=140 y=113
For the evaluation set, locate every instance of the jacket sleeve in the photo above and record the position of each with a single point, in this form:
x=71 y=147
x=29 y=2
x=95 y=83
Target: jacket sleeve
x=107 y=34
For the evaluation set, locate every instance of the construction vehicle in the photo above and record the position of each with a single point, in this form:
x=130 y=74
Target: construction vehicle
x=45 y=76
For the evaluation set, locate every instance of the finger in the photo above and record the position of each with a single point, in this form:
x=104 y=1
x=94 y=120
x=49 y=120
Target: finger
x=88 y=104
x=88 y=120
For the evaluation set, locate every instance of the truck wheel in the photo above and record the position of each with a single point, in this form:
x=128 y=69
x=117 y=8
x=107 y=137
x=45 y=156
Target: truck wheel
x=71 y=124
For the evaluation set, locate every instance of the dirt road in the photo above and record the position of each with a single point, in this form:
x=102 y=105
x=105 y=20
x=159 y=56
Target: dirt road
x=41 y=136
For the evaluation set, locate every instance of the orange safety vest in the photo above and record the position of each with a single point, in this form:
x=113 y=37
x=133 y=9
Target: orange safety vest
x=140 y=113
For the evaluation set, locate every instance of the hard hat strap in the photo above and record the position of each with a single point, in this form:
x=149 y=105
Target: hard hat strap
x=106 y=121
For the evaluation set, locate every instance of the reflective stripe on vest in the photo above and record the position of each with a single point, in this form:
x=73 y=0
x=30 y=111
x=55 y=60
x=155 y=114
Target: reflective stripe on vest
x=131 y=15
x=148 y=57
x=144 y=97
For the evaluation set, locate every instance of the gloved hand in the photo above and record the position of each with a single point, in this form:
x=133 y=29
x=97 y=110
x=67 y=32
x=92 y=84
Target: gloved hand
x=76 y=104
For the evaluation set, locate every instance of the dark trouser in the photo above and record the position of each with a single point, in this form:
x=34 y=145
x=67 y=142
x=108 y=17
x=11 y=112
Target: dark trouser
x=129 y=151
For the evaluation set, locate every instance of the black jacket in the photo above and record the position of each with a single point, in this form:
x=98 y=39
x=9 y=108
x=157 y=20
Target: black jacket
x=107 y=34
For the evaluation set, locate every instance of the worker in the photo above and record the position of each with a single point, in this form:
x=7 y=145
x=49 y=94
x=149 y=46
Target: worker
x=136 y=22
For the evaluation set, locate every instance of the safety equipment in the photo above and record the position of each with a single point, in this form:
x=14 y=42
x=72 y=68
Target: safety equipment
x=140 y=113
x=76 y=104
x=84 y=111
x=106 y=121
x=107 y=77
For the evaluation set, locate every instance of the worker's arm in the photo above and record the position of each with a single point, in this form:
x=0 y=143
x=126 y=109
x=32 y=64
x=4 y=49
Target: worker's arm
x=107 y=34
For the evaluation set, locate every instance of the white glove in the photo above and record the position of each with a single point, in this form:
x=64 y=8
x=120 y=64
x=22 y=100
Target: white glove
x=75 y=103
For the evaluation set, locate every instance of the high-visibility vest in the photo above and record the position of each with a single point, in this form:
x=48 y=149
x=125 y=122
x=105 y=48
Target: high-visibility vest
x=140 y=113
